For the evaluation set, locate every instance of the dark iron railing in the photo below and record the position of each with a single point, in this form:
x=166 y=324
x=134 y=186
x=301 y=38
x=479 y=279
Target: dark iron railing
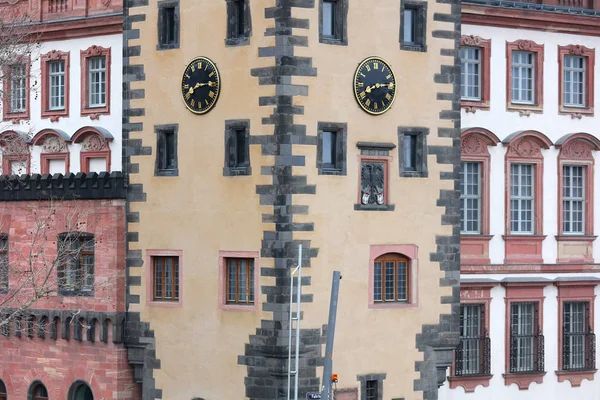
x=527 y=353
x=473 y=356
x=579 y=351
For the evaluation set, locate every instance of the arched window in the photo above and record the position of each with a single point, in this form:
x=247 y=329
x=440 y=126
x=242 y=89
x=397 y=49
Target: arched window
x=38 y=391
x=80 y=390
x=391 y=277
x=3 y=394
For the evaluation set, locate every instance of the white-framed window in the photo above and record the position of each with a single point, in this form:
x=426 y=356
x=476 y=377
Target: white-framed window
x=470 y=73
x=573 y=199
x=522 y=198
x=97 y=81
x=522 y=332
x=574 y=81
x=18 y=88
x=56 y=72
x=470 y=197
x=471 y=327
x=523 y=77
x=575 y=322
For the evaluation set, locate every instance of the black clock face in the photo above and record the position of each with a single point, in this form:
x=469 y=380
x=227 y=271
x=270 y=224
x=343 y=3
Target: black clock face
x=374 y=85
x=200 y=85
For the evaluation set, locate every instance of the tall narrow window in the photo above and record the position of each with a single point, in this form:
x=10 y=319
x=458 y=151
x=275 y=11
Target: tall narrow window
x=18 y=88
x=166 y=278
x=75 y=260
x=4 y=270
x=470 y=73
x=372 y=390
x=240 y=281
x=473 y=351
x=578 y=340
x=237 y=148
x=333 y=22
x=56 y=84
x=574 y=74
x=241 y=20
x=329 y=18
x=241 y=156
x=522 y=198
x=470 y=197
x=523 y=77
x=166 y=155
x=413 y=25
x=573 y=199
x=239 y=25
x=329 y=149
x=39 y=392
x=391 y=278
x=97 y=81
x=410 y=152
x=526 y=342
x=168 y=26
x=409 y=25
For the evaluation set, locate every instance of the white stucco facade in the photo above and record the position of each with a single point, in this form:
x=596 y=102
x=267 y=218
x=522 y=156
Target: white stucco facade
x=70 y=124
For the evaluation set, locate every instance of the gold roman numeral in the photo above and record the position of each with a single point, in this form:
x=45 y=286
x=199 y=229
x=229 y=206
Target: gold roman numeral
x=211 y=94
x=193 y=103
x=368 y=68
x=388 y=96
x=389 y=76
x=375 y=105
x=211 y=74
x=363 y=75
x=199 y=64
x=187 y=76
x=187 y=96
x=368 y=102
x=375 y=65
x=362 y=95
x=383 y=69
x=186 y=86
x=206 y=101
x=193 y=68
x=360 y=84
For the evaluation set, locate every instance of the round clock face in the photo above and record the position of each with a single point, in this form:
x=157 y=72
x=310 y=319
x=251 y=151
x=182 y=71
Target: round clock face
x=200 y=85
x=374 y=85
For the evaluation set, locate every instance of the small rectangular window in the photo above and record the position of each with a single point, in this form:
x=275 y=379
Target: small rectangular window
x=329 y=149
x=410 y=152
x=470 y=197
x=56 y=85
x=240 y=18
x=409 y=21
x=166 y=278
x=75 y=258
x=241 y=158
x=166 y=153
x=168 y=24
x=4 y=270
x=372 y=390
x=413 y=25
x=239 y=27
x=329 y=19
x=240 y=281
x=237 y=148
x=333 y=22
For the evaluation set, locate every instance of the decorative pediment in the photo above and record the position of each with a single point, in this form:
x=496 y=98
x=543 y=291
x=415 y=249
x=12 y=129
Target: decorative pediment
x=12 y=143
x=526 y=147
x=93 y=142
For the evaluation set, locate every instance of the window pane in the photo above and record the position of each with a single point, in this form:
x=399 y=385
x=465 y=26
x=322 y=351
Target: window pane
x=240 y=137
x=410 y=152
x=231 y=280
x=522 y=336
x=158 y=277
x=329 y=149
x=470 y=334
x=242 y=281
x=329 y=18
x=409 y=25
x=470 y=73
x=57 y=85
x=402 y=281
x=389 y=280
x=573 y=199
x=470 y=197
x=168 y=278
x=97 y=81
x=170 y=150
x=377 y=282
x=251 y=276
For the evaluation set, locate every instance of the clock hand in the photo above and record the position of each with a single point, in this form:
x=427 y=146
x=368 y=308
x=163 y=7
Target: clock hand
x=191 y=91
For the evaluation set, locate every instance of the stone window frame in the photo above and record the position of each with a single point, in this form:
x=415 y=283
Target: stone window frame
x=223 y=305
x=160 y=130
x=60 y=153
x=525 y=147
x=485 y=50
x=577 y=150
x=409 y=251
x=7 y=115
x=232 y=38
x=230 y=145
x=162 y=5
x=371 y=377
x=150 y=302
x=85 y=55
x=75 y=386
x=590 y=57
x=340 y=24
x=571 y=290
x=33 y=386
x=341 y=129
x=538 y=90
x=421 y=134
x=522 y=292
x=474 y=147
x=46 y=59
x=375 y=152
x=474 y=293
x=420 y=44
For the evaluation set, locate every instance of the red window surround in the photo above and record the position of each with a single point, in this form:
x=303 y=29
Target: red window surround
x=94 y=51
x=411 y=252
x=522 y=292
x=589 y=55
x=574 y=291
x=525 y=147
x=223 y=256
x=14 y=149
x=54 y=55
x=485 y=49
x=474 y=148
x=54 y=147
x=538 y=101
x=577 y=150
x=150 y=278
x=386 y=172
x=93 y=145
x=15 y=117
x=473 y=293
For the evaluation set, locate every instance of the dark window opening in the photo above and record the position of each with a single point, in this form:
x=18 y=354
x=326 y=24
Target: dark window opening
x=410 y=152
x=240 y=18
x=75 y=260
x=579 y=342
x=168 y=25
x=372 y=390
x=241 y=157
x=329 y=149
x=166 y=154
x=4 y=270
x=413 y=26
x=237 y=148
x=2 y=391
x=526 y=339
x=329 y=19
x=39 y=392
x=472 y=355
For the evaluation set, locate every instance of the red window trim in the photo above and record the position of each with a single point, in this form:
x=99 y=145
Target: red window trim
x=473 y=293
x=40 y=139
x=574 y=291
x=386 y=176
x=589 y=54
x=45 y=161
x=54 y=55
x=538 y=101
x=150 y=301
x=485 y=47
x=474 y=148
x=525 y=148
x=411 y=252
x=17 y=116
x=522 y=292
x=92 y=148
x=86 y=110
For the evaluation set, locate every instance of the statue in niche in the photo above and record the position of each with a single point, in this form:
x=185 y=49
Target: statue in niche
x=372 y=181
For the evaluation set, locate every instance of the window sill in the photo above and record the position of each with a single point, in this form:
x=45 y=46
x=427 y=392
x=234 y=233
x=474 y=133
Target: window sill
x=374 y=207
x=575 y=238
x=171 y=46
x=165 y=303
x=167 y=172
x=576 y=377
x=525 y=110
x=73 y=293
x=414 y=174
x=413 y=47
x=238 y=171
x=94 y=112
x=331 y=171
x=574 y=249
x=16 y=117
x=523 y=249
x=471 y=106
x=241 y=41
x=469 y=382
x=54 y=115
x=240 y=307
x=576 y=112
x=523 y=380
x=390 y=304
x=333 y=41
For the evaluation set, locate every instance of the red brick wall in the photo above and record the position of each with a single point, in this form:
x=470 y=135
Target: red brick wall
x=59 y=363
x=103 y=218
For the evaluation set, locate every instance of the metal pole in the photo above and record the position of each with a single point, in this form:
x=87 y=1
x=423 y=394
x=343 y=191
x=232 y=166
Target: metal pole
x=298 y=298
x=289 y=392
x=328 y=364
